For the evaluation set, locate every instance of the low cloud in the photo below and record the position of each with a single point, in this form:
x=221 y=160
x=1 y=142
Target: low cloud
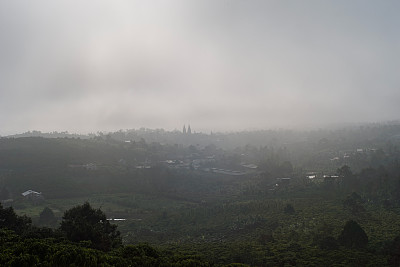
x=218 y=65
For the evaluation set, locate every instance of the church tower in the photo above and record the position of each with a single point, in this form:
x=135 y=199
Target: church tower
x=184 y=129
x=189 y=131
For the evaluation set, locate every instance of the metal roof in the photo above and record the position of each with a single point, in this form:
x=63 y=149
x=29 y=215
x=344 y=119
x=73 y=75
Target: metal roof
x=30 y=192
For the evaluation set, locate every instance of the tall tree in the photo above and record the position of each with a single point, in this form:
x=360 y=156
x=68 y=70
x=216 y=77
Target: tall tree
x=84 y=223
x=349 y=180
x=353 y=236
x=47 y=217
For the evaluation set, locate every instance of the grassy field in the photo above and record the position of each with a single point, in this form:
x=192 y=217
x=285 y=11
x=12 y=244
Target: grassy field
x=224 y=230
x=157 y=219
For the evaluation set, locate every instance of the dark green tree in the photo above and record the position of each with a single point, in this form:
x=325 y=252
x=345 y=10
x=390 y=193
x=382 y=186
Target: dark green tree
x=9 y=219
x=353 y=236
x=344 y=171
x=349 y=180
x=84 y=223
x=47 y=217
x=289 y=209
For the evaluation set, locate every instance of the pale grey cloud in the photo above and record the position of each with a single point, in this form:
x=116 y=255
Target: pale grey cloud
x=220 y=65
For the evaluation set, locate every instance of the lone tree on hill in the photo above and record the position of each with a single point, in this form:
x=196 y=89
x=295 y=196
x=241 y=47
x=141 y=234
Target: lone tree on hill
x=83 y=223
x=353 y=236
x=47 y=217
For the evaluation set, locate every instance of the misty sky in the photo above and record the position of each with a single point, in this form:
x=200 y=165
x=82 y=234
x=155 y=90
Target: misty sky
x=87 y=66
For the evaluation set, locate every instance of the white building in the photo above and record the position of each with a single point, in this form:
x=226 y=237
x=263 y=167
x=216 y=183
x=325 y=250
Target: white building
x=30 y=194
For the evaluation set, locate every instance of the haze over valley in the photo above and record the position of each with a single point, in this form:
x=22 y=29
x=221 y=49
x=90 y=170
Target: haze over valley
x=199 y=133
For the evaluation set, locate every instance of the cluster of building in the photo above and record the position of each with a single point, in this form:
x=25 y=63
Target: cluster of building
x=205 y=164
x=87 y=166
x=343 y=155
x=327 y=178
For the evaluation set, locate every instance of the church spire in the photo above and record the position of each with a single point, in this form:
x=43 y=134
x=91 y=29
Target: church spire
x=189 y=131
x=184 y=129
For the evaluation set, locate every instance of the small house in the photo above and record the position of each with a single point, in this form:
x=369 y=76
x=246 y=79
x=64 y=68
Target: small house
x=32 y=195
